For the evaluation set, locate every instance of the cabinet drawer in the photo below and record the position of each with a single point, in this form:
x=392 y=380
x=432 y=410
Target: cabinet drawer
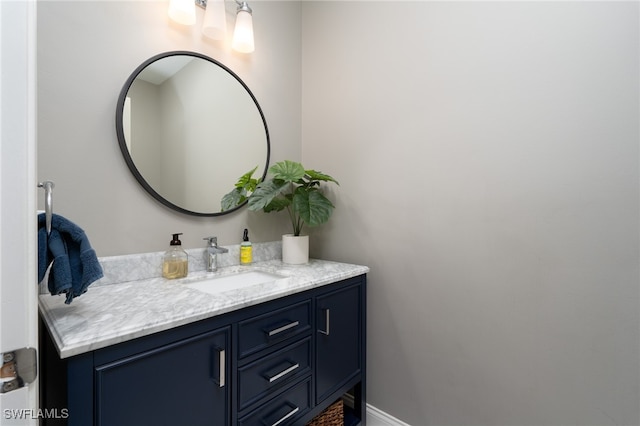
x=261 y=377
x=262 y=331
x=284 y=409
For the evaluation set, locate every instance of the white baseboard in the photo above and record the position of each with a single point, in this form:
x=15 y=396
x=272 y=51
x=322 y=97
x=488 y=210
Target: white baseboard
x=375 y=416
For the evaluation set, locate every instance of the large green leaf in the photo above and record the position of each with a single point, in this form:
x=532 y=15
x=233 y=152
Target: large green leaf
x=238 y=195
x=315 y=175
x=265 y=192
x=247 y=182
x=313 y=207
x=233 y=199
x=287 y=170
x=277 y=204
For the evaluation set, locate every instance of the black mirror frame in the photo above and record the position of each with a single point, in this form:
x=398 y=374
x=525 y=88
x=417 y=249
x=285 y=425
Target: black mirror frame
x=125 y=151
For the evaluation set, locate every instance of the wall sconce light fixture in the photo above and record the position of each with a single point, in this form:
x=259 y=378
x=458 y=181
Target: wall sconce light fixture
x=214 y=24
x=243 y=32
x=182 y=11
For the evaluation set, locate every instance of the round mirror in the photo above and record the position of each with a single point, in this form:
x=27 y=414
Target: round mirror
x=188 y=128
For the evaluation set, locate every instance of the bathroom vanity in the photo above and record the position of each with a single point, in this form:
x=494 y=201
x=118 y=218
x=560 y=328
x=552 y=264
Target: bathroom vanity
x=160 y=352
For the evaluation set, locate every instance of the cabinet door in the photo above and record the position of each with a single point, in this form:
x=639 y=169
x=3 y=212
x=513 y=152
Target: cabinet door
x=338 y=339
x=184 y=383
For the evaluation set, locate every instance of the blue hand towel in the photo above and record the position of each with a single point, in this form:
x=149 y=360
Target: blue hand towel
x=75 y=264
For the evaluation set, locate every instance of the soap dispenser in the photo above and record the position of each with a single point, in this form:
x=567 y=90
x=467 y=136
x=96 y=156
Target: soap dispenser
x=246 y=249
x=175 y=263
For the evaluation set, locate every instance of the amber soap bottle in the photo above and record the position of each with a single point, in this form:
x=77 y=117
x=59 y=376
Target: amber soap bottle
x=175 y=263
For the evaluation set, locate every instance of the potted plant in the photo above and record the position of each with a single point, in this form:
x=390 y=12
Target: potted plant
x=290 y=187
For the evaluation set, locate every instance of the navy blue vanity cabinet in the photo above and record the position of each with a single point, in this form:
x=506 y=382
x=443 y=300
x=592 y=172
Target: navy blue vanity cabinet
x=182 y=383
x=280 y=362
x=338 y=339
x=297 y=360
x=274 y=353
x=340 y=363
x=182 y=376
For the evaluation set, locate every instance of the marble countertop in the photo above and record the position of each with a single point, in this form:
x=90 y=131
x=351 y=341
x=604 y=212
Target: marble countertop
x=110 y=314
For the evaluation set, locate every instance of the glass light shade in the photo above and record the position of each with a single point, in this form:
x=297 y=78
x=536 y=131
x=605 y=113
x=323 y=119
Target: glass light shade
x=182 y=11
x=215 y=21
x=243 y=33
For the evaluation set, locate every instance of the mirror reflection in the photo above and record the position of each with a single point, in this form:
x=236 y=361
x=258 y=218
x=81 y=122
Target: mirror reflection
x=188 y=127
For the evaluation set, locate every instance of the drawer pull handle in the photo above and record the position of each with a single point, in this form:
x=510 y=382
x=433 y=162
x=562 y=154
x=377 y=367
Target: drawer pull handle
x=326 y=322
x=283 y=373
x=221 y=367
x=283 y=328
x=286 y=416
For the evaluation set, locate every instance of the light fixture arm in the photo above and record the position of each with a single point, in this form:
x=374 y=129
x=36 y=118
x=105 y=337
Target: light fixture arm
x=242 y=5
x=214 y=23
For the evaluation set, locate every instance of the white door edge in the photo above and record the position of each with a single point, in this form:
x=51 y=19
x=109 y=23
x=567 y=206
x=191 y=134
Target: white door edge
x=18 y=192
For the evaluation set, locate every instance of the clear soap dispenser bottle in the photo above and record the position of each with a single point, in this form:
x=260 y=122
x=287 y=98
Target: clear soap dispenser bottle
x=175 y=263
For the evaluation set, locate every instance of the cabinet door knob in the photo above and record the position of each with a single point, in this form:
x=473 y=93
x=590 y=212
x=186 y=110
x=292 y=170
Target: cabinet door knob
x=327 y=321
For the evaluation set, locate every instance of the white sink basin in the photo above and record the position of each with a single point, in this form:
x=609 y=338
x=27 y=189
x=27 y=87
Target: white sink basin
x=224 y=283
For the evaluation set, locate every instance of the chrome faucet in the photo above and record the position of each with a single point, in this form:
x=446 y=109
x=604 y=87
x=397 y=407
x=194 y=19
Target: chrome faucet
x=211 y=254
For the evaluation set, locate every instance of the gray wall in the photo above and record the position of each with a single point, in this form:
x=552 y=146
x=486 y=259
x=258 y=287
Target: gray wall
x=488 y=161
x=86 y=51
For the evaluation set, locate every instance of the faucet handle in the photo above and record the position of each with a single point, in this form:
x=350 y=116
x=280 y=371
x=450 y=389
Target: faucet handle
x=212 y=241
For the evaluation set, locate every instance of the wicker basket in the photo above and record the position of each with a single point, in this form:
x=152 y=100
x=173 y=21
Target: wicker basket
x=332 y=416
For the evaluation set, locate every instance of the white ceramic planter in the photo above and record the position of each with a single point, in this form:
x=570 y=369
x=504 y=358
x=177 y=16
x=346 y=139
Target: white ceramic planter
x=295 y=250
